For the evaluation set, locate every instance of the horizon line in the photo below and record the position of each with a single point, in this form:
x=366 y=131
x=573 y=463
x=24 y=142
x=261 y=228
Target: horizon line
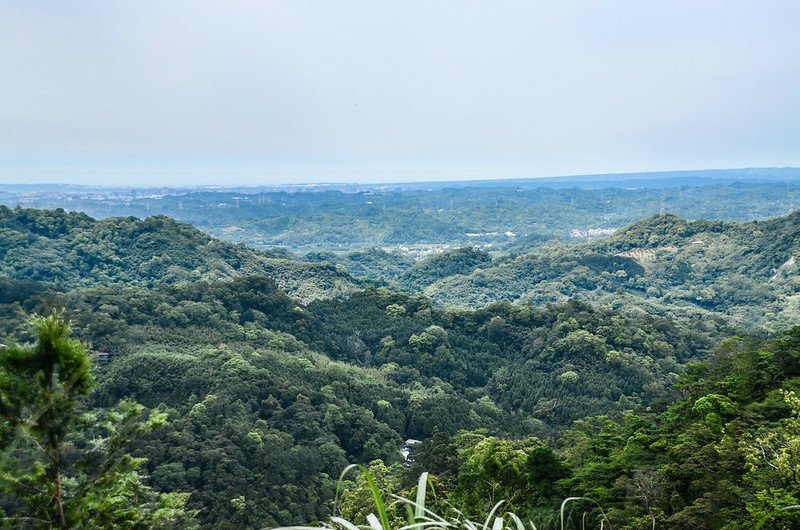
x=309 y=184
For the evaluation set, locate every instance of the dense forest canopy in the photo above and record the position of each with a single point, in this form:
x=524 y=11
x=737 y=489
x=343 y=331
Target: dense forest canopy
x=744 y=272
x=530 y=372
x=71 y=248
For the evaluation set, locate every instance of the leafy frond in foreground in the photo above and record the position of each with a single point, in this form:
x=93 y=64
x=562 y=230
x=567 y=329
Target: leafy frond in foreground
x=419 y=517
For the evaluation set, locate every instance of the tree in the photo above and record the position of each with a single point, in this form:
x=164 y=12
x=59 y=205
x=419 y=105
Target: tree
x=773 y=463
x=98 y=485
x=38 y=389
x=359 y=501
x=493 y=470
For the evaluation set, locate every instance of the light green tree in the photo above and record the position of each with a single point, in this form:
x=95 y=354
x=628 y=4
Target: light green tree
x=358 y=502
x=773 y=463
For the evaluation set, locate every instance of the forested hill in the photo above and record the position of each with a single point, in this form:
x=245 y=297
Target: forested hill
x=670 y=266
x=270 y=392
x=430 y=216
x=61 y=248
x=746 y=272
x=268 y=398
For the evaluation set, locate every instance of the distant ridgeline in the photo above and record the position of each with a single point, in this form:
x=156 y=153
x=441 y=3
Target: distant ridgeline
x=276 y=371
x=421 y=218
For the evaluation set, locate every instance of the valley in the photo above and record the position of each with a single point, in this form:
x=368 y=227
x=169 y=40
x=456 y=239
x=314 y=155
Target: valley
x=277 y=367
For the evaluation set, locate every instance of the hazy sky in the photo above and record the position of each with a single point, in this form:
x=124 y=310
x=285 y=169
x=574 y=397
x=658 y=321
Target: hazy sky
x=185 y=92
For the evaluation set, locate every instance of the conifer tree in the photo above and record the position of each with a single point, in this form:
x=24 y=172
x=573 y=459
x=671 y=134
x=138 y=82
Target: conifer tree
x=40 y=388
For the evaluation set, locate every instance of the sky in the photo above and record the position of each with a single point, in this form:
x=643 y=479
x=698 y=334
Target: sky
x=201 y=92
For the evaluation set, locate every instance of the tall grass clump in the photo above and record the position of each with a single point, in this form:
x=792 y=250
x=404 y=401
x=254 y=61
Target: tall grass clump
x=419 y=517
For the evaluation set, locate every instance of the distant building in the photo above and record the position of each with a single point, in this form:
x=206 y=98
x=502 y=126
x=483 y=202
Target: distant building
x=103 y=357
x=405 y=450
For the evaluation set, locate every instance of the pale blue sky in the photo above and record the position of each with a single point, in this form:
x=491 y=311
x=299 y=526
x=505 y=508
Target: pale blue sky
x=212 y=92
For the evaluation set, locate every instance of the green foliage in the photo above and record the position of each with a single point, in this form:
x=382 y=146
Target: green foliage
x=456 y=262
x=239 y=364
x=692 y=271
x=372 y=263
x=722 y=454
x=73 y=249
x=267 y=375
x=60 y=470
x=39 y=384
x=372 y=493
x=372 y=485
x=773 y=469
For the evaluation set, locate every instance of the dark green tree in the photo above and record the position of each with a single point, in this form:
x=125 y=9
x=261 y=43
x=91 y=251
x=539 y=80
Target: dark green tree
x=57 y=476
x=38 y=390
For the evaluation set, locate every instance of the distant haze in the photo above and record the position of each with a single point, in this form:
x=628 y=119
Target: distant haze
x=207 y=92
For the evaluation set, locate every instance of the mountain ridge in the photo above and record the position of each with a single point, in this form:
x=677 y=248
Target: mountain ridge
x=58 y=247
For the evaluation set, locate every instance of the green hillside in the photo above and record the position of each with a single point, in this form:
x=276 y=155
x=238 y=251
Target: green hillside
x=271 y=374
x=72 y=249
x=691 y=269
